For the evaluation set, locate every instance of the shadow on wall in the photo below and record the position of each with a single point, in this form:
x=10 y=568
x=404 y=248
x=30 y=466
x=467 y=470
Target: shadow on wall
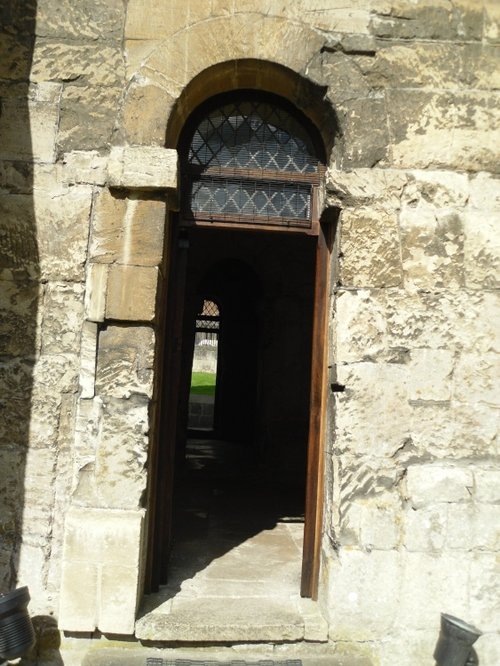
x=19 y=275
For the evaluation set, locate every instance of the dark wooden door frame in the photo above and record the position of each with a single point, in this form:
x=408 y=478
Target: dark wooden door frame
x=161 y=518
x=313 y=523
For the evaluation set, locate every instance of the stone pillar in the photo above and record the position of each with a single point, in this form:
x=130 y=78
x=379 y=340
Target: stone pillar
x=104 y=525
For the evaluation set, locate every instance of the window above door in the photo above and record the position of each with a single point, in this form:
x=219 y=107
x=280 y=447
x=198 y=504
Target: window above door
x=250 y=160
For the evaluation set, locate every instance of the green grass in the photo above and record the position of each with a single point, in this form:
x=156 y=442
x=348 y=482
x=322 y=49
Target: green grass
x=203 y=383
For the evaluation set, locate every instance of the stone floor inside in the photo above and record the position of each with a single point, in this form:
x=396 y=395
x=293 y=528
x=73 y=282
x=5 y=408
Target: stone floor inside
x=234 y=572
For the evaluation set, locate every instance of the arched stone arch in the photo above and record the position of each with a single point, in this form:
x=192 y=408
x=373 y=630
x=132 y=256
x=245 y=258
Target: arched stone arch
x=217 y=55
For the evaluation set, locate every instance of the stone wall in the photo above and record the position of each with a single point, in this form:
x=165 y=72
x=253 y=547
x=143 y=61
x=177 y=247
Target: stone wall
x=412 y=504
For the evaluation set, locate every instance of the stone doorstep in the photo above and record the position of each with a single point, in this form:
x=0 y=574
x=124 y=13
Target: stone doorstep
x=309 y=655
x=223 y=619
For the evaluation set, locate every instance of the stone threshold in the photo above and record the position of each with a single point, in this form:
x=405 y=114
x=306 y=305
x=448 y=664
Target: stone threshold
x=233 y=620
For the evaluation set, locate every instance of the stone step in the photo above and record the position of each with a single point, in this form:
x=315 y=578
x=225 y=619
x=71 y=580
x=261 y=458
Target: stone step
x=244 y=656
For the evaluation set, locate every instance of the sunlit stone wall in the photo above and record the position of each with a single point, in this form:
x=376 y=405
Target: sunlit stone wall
x=412 y=469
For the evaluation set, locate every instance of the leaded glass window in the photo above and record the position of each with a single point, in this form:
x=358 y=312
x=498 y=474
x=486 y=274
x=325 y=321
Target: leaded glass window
x=249 y=160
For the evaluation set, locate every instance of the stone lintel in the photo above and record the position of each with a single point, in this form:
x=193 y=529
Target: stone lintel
x=144 y=168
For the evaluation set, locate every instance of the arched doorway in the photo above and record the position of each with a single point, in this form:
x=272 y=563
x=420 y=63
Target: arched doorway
x=249 y=236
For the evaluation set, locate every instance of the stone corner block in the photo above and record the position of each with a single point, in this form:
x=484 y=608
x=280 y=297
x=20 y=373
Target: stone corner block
x=101 y=569
x=146 y=168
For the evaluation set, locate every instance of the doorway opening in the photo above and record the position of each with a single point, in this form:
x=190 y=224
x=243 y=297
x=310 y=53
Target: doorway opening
x=248 y=243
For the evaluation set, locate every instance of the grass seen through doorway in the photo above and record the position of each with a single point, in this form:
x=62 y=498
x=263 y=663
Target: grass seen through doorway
x=203 y=383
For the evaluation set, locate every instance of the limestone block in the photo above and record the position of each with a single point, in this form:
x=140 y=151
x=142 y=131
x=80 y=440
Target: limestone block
x=431 y=484
x=18 y=241
x=83 y=166
x=476 y=429
x=55 y=373
x=79 y=588
x=432 y=248
x=31 y=569
x=425 y=529
x=125 y=361
x=87 y=429
x=62 y=221
x=477 y=379
x=366 y=411
x=371 y=249
x=341 y=74
x=380 y=526
x=96 y=544
x=492 y=22
x=143 y=168
x=16 y=379
x=487 y=485
x=484 y=599
x=484 y=191
x=15 y=57
x=127 y=230
x=88 y=359
x=482 y=250
x=473 y=527
x=18 y=307
x=429 y=20
x=95 y=62
x=14 y=419
x=132 y=293
x=87 y=116
x=95 y=292
x=364 y=590
x=12 y=458
x=62 y=316
x=143 y=119
x=122 y=453
x=364 y=187
x=119 y=589
x=428 y=65
x=28 y=124
x=431 y=371
x=362 y=148
x=432 y=585
x=89 y=19
x=422 y=125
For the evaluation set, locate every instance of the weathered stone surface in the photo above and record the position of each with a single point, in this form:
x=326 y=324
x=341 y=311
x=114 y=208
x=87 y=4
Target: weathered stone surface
x=371 y=252
x=96 y=63
x=15 y=57
x=83 y=166
x=62 y=316
x=364 y=187
x=425 y=528
x=485 y=604
x=125 y=361
x=63 y=218
x=487 y=485
x=143 y=120
x=88 y=359
x=98 y=542
x=87 y=117
x=29 y=120
x=87 y=20
x=429 y=484
x=143 y=168
x=377 y=391
x=473 y=527
x=122 y=453
x=429 y=19
x=364 y=148
x=432 y=247
x=132 y=293
x=481 y=250
x=18 y=321
x=421 y=124
x=432 y=386
x=127 y=230
x=95 y=292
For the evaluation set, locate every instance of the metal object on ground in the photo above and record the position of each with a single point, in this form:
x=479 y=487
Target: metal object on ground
x=16 y=631
x=454 y=646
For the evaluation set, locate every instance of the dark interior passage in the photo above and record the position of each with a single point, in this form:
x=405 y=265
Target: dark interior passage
x=248 y=473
